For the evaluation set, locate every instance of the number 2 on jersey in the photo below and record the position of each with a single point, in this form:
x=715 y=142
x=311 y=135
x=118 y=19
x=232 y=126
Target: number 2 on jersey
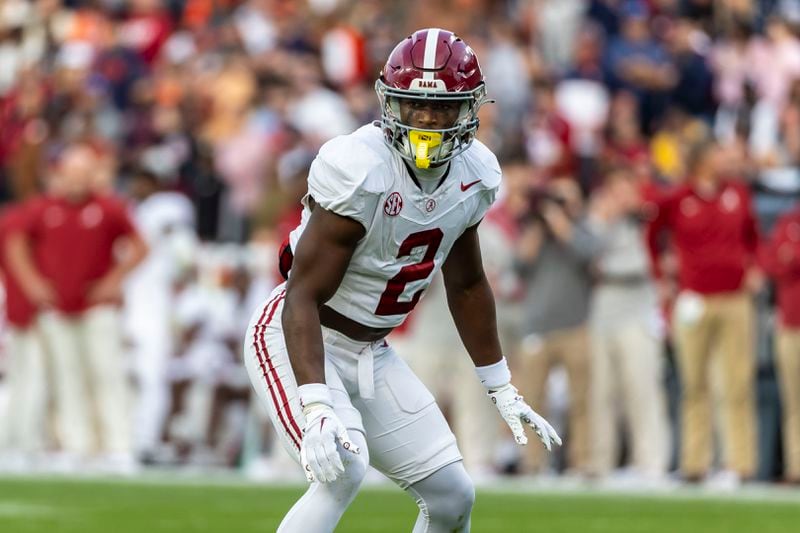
x=389 y=303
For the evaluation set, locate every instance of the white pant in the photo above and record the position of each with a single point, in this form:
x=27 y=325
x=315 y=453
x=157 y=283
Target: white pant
x=89 y=380
x=25 y=418
x=627 y=374
x=373 y=391
x=151 y=355
x=436 y=354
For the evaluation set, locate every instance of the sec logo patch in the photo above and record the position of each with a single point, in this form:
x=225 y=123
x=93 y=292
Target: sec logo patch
x=393 y=204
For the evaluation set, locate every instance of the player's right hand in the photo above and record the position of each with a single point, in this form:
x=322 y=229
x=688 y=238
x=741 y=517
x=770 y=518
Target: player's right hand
x=323 y=434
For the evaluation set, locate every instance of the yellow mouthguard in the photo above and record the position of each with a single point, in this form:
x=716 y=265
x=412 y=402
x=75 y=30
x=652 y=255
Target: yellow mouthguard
x=423 y=141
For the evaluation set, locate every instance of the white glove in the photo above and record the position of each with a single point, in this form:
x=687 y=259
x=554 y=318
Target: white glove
x=319 y=453
x=514 y=411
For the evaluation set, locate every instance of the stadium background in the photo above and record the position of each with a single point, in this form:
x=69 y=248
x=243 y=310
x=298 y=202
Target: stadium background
x=220 y=106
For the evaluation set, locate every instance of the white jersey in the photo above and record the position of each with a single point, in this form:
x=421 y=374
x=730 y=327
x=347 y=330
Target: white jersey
x=409 y=233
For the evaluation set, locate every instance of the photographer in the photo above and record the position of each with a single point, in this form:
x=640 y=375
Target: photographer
x=553 y=259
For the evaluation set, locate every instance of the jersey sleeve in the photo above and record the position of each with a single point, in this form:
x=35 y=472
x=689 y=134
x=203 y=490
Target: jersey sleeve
x=485 y=201
x=122 y=224
x=488 y=169
x=340 y=186
x=28 y=217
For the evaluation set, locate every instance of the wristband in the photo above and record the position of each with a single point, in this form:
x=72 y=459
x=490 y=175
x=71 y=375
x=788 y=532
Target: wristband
x=312 y=393
x=494 y=375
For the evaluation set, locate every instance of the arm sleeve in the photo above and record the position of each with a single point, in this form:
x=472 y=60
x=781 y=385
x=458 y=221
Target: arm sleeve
x=584 y=244
x=122 y=223
x=26 y=219
x=16 y=220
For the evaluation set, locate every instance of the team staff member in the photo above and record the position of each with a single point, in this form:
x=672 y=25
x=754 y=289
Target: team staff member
x=65 y=255
x=782 y=262
x=24 y=419
x=711 y=224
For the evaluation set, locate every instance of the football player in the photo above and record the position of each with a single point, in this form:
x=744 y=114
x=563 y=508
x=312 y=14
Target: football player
x=387 y=206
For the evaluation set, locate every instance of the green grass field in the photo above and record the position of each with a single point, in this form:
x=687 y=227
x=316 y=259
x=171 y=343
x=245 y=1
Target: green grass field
x=53 y=505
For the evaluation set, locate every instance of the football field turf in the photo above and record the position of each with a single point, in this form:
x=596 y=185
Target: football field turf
x=53 y=505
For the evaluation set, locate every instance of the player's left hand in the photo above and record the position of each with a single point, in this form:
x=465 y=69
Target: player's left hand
x=515 y=411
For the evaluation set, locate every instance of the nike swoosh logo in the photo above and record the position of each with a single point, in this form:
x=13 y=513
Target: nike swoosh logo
x=468 y=185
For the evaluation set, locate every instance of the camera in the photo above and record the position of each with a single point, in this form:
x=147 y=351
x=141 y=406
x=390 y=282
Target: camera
x=537 y=199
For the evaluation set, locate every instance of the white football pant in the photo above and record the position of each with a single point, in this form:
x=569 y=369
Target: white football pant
x=388 y=411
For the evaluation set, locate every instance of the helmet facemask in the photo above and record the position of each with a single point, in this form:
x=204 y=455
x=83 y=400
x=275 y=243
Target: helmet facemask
x=429 y=147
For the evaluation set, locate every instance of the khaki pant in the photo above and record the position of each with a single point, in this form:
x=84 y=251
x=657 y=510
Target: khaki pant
x=788 y=360
x=720 y=326
x=90 y=386
x=569 y=348
x=627 y=376
x=27 y=399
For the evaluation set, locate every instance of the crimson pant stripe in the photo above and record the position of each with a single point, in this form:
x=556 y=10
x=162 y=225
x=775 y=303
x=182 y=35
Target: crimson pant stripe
x=274 y=372
x=267 y=369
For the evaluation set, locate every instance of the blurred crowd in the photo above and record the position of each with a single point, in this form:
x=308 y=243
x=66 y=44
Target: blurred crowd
x=644 y=252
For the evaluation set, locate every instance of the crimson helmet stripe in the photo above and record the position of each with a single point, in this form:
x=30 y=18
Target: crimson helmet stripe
x=429 y=60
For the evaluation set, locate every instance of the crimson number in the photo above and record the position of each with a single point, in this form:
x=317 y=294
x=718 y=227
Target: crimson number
x=389 y=303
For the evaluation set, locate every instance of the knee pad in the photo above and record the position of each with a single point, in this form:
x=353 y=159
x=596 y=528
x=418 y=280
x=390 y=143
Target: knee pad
x=459 y=501
x=447 y=496
x=355 y=465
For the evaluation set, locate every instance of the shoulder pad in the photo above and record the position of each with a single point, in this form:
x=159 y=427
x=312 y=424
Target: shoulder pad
x=354 y=157
x=483 y=164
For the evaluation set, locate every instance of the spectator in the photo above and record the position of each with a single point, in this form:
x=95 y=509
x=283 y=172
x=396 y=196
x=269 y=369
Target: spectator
x=693 y=88
x=636 y=62
x=583 y=100
x=711 y=224
x=774 y=61
x=548 y=137
x=64 y=256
